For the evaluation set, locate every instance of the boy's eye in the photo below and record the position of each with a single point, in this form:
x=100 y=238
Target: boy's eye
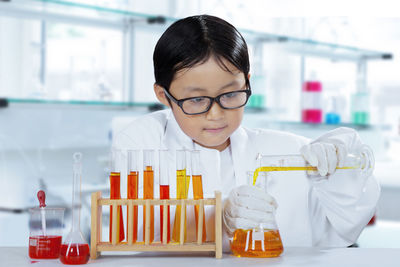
x=197 y=100
x=231 y=95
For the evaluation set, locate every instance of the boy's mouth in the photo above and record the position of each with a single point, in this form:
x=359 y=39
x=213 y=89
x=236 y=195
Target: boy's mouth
x=215 y=129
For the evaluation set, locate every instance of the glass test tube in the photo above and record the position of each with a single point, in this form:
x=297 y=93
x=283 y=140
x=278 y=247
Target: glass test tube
x=148 y=190
x=115 y=193
x=198 y=190
x=362 y=162
x=133 y=187
x=164 y=192
x=181 y=193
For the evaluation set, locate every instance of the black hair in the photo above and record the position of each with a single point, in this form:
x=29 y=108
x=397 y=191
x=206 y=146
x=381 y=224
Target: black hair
x=193 y=40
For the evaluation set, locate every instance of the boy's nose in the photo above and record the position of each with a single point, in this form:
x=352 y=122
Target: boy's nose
x=215 y=112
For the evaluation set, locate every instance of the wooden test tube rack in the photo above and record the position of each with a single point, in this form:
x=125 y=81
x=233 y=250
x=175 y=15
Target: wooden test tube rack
x=97 y=246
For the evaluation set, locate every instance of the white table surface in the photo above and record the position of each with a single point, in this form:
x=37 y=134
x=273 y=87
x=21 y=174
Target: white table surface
x=18 y=256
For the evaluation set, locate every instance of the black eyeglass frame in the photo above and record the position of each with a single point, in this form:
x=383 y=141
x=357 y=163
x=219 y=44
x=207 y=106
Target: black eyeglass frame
x=179 y=102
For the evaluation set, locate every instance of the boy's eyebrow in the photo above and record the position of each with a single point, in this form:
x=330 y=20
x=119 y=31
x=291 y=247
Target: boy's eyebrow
x=190 y=88
x=194 y=89
x=234 y=82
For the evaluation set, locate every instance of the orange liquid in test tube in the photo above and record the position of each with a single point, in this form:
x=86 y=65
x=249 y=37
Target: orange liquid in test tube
x=148 y=193
x=115 y=193
x=198 y=194
x=133 y=184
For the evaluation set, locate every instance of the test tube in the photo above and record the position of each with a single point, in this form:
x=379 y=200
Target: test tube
x=148 y=193
x=198 y=194
x=115 y=193
x=133 y=185
x=181 y=193
x=164 y=194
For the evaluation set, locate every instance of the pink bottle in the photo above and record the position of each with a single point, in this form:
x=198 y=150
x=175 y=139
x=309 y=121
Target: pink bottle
x=312 y=102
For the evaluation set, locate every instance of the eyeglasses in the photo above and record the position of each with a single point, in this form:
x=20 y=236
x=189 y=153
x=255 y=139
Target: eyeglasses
x=202 y=104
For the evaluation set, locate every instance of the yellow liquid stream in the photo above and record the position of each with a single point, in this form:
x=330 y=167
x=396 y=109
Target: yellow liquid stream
x=272 y=244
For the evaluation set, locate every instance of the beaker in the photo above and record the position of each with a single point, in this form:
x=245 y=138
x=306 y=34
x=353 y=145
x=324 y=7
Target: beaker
x=75 y=249
x=45 y=230
x=262 y=240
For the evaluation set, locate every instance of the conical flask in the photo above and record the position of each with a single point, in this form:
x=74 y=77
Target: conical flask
x=263 y=239
x=75 y=249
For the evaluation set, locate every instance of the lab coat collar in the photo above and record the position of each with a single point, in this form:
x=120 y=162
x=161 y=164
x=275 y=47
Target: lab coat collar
x=174 y=138
x=240 y=155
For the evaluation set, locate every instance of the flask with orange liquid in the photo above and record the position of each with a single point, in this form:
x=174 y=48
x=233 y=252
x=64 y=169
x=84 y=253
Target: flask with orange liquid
x=262 y=241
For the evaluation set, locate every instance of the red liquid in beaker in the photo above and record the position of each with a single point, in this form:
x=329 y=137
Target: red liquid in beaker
x=44 y=247
x=74 y=254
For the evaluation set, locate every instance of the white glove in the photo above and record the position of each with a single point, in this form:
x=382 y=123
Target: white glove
x=247 y=207
x=325 y=155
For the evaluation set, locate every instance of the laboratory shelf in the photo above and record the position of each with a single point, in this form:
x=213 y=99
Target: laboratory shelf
x=118 y=15
x=74 y=12
x=327 y=126
x=116 y=104
x=311 y=47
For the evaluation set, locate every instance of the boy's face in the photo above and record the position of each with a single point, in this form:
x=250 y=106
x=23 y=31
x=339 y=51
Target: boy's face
x=213 y=128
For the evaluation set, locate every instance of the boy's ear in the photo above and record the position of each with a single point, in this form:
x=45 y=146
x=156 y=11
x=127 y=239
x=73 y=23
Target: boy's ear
x=159 y=91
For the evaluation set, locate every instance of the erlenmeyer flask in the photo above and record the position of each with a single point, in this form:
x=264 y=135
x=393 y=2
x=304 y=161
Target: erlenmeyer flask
x=75 y=249
x=261 y=241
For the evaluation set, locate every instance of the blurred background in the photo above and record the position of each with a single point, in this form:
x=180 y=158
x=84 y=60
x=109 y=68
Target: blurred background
x=73 y=72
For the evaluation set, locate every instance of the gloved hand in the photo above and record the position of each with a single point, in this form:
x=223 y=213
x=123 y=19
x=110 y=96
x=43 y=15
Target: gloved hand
x=324 y=155
x=247 y=207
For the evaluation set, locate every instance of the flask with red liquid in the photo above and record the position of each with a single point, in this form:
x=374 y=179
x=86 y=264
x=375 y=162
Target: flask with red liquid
x=75 y=249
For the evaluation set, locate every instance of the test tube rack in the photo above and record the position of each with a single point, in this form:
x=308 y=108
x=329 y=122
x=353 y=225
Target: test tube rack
x=97 y=246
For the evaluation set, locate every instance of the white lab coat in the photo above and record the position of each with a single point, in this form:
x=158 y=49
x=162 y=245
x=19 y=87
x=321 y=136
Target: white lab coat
x=330 y=212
